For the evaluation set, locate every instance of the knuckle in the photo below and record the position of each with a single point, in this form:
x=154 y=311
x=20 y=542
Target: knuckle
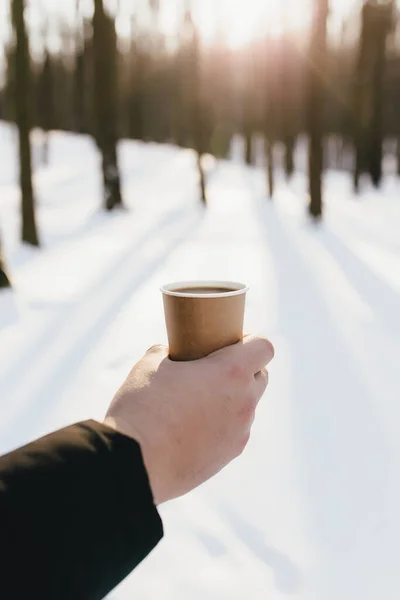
x=264 y=375
x=155 y=349
x=267 y=347
x=236 y=372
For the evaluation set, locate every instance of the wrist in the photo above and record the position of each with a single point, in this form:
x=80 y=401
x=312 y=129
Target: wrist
x=126 y=429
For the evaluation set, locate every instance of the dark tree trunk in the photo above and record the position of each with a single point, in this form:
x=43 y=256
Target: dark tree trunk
x=398 y=154
x=202 y=180
x=269 y=155
x=198 y=123
x=317 y=62
x=23 y=102
x=369 y=77
x=357 y=170
x=376 y=143
x=4 y=279
x=289 y=155
x=248 y=140
x=79 y=91
x=362 y=114
x=105 y=102
x=270 y=112
x=46 y=110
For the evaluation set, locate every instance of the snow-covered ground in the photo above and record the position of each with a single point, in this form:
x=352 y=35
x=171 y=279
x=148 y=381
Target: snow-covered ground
x=312 y=509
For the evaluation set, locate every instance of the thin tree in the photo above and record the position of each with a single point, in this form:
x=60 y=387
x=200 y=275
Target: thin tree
x=79 y=76
x=105 y=101
x=398 y=155
x=316 y=93
x=381 y=28
x=376 y=20
x=196 y=108
x=23 y=102
x=269 y=157
x=45 y=91
x=269 y=132
x=286 y=100
x=4 y=279
x=46 y=104
x=270 y=114
x=248 y=104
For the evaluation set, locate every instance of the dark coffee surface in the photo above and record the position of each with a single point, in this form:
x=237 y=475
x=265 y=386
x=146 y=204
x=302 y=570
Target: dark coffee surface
x=204 y=290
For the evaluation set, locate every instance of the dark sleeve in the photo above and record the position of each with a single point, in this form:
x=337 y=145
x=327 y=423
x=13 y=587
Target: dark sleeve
x=76 y=515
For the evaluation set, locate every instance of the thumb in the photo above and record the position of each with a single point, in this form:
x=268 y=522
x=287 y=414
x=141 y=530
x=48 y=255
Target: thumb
x=158 y=352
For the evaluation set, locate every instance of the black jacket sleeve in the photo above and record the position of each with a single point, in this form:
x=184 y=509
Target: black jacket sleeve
x=76 y=515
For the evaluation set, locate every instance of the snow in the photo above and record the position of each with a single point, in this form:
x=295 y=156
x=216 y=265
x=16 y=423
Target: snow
x=311 y=510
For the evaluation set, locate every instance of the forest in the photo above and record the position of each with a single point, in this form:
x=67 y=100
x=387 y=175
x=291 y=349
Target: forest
x=341 y=87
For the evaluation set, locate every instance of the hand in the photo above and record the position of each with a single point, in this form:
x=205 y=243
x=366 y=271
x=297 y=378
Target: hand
x=191 y=418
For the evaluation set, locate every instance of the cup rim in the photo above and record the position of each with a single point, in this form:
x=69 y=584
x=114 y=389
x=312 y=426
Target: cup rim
x=237 y=288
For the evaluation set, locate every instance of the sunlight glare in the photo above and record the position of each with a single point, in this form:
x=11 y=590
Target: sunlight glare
x=241 y=21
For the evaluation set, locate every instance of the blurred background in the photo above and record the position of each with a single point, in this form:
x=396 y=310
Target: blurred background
x=147 y=141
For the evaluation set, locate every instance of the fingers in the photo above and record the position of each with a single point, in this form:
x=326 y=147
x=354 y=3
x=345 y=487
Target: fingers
x=257 y=352
x=252 y=353
x=157 y=348
x=158 y=352
x=261 y=382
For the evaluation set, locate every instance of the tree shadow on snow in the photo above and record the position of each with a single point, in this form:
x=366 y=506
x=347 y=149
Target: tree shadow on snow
x=342 y=453
x=8 y=309
x=214 y=546
x=383 y=299
x=288 y=579
x=90 y=316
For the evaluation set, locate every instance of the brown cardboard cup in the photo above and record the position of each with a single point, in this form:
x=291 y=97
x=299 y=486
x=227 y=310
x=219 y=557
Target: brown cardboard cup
x=201 y=323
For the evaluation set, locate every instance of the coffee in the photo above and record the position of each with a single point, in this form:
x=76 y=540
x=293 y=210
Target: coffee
x=203 y=316
x=204 y=290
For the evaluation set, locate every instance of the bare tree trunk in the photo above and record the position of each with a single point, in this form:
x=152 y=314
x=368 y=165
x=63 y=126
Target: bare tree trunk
x=23 y=119
x=105 y=102
x=270 y=112
x=46 y=148
x=4 y=279
x=382 y=26
x=289 y=155
x=269 y=154
x=369 y=76
x=361 y=104
x=46 y=106
x=248 y=139
x=357 y=161
x=317 y=67
x=398 y=154
x=196 y=110
x=202 y=179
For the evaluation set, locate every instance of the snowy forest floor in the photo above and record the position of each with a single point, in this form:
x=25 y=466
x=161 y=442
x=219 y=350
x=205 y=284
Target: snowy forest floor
x=311 y=510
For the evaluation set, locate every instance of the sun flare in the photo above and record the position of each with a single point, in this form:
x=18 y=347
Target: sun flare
x=241 y=21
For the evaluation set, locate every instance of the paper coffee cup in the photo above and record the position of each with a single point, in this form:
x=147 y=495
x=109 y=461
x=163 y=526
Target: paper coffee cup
x=203 y=316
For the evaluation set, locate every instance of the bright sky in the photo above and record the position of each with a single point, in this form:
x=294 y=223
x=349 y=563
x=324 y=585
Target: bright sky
x=241 y=20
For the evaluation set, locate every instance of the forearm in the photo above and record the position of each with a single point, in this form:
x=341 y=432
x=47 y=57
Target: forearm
x=76 y=514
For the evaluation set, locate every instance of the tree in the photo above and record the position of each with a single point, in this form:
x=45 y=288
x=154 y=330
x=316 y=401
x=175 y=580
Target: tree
x=369 y=91
x=23 y=102
x=105 y=102
x=316 y=93
x=4 y=279
x=269 y=157
x=269 y=117
x=249 y=92
x=382 y=24
x=46 y=116
x=198 y=125
x=287 y=101
x=80 y=74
